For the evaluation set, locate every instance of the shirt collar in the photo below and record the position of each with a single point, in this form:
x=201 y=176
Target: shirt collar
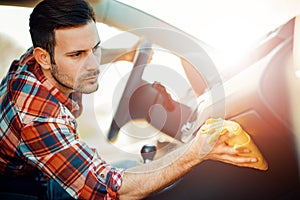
x=73 y=102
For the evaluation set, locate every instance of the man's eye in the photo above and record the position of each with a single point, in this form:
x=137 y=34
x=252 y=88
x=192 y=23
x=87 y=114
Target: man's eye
x=76 y=54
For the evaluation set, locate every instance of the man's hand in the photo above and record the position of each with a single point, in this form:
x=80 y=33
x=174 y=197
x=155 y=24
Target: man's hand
x=142 y=180
x=228 y=154
x=121 y=54
x=130 y=53
x=221 y=151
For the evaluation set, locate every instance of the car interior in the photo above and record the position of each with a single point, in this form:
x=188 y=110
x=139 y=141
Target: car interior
x=256 y=93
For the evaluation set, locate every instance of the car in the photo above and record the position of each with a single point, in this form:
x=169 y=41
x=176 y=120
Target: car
x=156 y=106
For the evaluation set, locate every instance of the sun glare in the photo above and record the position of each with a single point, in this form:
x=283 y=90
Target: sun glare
x=231 y=27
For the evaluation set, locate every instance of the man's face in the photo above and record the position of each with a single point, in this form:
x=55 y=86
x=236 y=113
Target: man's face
x=77 y=56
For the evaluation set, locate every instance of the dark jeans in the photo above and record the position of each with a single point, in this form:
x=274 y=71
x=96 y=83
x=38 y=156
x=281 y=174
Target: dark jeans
x=31 y=189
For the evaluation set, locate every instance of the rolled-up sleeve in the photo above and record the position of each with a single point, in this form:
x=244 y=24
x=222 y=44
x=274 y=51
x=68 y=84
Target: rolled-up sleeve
x=55 y=149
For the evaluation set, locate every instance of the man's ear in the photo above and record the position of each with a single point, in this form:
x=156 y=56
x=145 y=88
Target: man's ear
x=42 y=57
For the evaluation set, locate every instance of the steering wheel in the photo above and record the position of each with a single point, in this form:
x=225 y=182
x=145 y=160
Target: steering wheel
x=122 y=114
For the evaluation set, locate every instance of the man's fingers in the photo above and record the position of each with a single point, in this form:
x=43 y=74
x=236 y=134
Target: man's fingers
x=223 y=152
x=229 y=154
x=224 y=137
x=243 y=150
x=237 y=160
x=224 y=149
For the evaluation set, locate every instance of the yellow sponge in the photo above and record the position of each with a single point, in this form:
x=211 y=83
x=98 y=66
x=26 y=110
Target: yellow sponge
x=241 y=139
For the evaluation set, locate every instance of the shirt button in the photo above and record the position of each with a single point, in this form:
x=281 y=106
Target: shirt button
x=102 y=176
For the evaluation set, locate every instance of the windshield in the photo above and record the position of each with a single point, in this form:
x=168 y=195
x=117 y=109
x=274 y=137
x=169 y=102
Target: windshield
x=222 y=24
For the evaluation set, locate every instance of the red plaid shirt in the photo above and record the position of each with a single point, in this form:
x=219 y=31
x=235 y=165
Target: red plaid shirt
x=38 y=130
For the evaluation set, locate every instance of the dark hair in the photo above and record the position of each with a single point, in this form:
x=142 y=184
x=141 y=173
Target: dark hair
x=50 y=15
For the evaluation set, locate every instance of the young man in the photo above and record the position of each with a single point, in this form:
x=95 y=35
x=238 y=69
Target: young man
x=40 y=100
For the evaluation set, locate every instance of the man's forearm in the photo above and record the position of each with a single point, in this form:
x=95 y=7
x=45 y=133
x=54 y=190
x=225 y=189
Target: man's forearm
x=112 y=55
x=143 y=180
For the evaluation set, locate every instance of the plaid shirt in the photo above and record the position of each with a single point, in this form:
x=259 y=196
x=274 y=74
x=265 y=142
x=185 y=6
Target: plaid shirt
x=38 y=130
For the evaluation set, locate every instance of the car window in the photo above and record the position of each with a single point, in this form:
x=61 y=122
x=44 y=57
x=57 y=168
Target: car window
x=216 y=23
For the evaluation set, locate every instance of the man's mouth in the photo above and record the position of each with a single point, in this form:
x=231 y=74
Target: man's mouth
x=92 y=76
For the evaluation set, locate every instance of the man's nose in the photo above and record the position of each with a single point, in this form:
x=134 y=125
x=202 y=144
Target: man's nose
x=93 y=61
